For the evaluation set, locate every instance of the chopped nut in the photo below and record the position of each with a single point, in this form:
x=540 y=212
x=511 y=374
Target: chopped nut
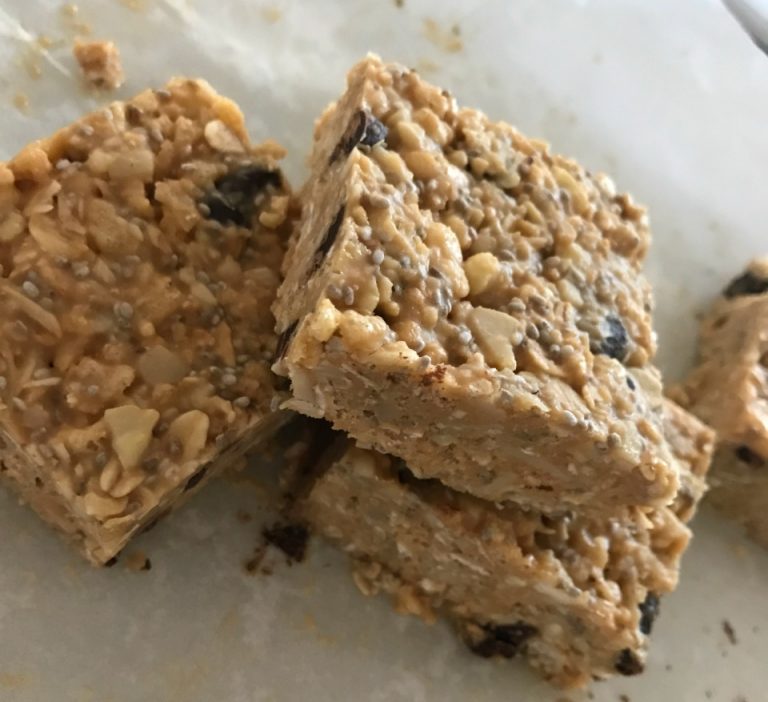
x=191 y=431
x=131 y=431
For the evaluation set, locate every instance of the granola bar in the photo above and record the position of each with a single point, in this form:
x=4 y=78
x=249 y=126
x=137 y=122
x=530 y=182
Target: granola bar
x=140 y=250
x=460 y=297
x=577 y=595
x=728 y=390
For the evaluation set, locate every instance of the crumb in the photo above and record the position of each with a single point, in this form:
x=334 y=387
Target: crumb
x=739 y=698
x=266 y=570
x=597 y=57
x=21 y=102
x=729 y=632
x=426 y=66
x=624 y=698
x=668 y=666
x=100 y=63
x=590 y=695
x=447 y=40
x=291 y=539
x=399 y=3
x=135 y=5
x=708 y=694
x=253 y=563
x=243 y=517
x=271 y=14
x=755 y=629
x=137 y=561
x=69 y=14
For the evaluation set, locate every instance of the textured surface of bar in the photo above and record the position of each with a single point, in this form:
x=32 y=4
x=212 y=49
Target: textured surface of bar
x=462 y=298
x=576 y=595
x=140 y=251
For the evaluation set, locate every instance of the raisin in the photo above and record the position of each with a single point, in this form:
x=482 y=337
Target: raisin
x=363 y=129
x=375 y=132
x=628 y=663
x=649 y=610
x=506 y=640
x=748 y=456
x=615 y=340
x=291 y=539
x=284 y=339
x=746 y=284
x=231 y=200
x=196 y=478
x=330 y=238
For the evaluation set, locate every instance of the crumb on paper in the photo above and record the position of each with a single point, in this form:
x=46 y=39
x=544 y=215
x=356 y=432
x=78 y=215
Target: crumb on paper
x=624 y=698
x=100 y=63
x=135 y=5
x=291 y=539
x=13 y=681
x=271 y=13
x=448 y=40
x=137 y=561
x=597 y=57
x=399 y=3
x=426 y=66
x=21 y=102
x=243 y=516
x=729 y=632
x=70 y=15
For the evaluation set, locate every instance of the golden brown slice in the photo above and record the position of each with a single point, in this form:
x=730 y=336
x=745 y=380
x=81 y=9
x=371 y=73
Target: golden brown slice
x=140 y=250
x=462 y=298
x=576 y=595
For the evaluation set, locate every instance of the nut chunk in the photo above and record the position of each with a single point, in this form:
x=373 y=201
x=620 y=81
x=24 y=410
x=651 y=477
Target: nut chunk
x=461 y=298
x=729 y=390
x=140 y=251
x=576 y=595
x=100 y=62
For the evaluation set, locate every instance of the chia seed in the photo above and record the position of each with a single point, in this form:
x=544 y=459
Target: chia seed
x=377 y=257
x=242 y=401
x=348 y=294
x=228 y=379
x=92 y=390
x=124 y=310
x=3 y=382
x=517 y=305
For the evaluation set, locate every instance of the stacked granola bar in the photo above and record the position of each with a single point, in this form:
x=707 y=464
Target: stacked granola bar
x=464 y=301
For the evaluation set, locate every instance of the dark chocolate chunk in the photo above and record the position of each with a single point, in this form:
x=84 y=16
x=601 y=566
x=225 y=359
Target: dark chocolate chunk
x=614 y=340
x=504 y=640
x=196 y=478
x=627 y=663
x=291 y=539
x=330 y=238
x=649 y=610
x=746 y=284
x=748 y=456
x=231 y=200
x=284 y=339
